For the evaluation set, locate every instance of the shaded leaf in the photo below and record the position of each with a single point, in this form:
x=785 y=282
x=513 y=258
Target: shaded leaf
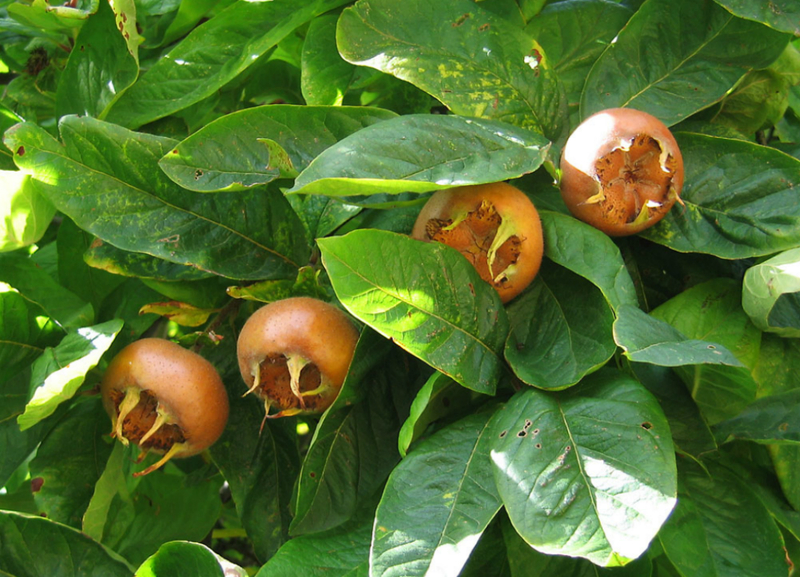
x=782 y=15
x=720 y=528
x=739 y=199
x=570 y=492
x=437 y=503
x=60 y=371
x=771 y=294
x=772 y=419
x=646 y=339
x=307 y=283
x=422 y=153
x=757 y=102
x=120 y=262
x=325 y=75
x=31 y=546
x=786 y=461
x=702 y=51
x=212 y=55
x=17 y=334
x=24 y=213
x=429 y=300
x=589 y=253
x=560 y=330
x=183 y=314
x=237 y=151
x=107 y=180
x=473 y=61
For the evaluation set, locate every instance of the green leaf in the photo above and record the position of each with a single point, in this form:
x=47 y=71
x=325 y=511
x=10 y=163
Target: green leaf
x=476 y=63
x=720 y=528
x=307 y=284
x=770 y=294
x=39 y=288
x=24 y=213
x=759 y=101
x=325 y=75
x=107 y=180
x=567 y=490
x=353 y=448
x=339 y=552
x=646 y=339
x=62 y=19
x=179 y=558
x=437 y=503
x=786 y=460
x=773 y=419
x=120 y=262
x=60 y=371
x=429 y=300
x=589 y=253
x=8 y=118
x=781 y=15
x=17 y=334
x=68 y=466
x=778 y=364
x=712 y=312
x=236 y=151
x=560 y=330
x=260 y=467
x=101 y=66
x=574 y=34
x=422 y=153
x=31 y=546
x=739 y=200
x=673 y=59
x=212 y=55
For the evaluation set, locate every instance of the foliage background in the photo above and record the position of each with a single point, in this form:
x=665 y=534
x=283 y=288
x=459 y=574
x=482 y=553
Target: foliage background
x=169 y=166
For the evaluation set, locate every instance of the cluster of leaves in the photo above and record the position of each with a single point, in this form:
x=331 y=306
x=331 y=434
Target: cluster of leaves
x=170 y=165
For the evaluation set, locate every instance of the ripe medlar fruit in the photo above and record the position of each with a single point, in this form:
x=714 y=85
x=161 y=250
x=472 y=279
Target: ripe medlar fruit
x=621 y=171
x=495 y=226
x=294 y=354
x=165 y=399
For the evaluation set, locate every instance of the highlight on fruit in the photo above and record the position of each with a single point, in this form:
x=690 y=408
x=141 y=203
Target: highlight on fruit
x=165 y=399
x=294 y=355
x=621 y=171
x=495 y=226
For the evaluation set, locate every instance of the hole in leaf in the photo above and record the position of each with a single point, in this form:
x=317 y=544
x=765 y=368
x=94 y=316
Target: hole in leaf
x=503 y=434
x=522 y=433
x=647 y=425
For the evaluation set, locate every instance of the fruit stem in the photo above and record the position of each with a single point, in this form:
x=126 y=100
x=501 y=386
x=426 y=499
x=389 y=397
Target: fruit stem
x=129 y=402
x=174 y=450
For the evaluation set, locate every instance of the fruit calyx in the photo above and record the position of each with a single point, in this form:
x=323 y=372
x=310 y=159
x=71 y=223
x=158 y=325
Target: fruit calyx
x=141 y=419
x=483 y=236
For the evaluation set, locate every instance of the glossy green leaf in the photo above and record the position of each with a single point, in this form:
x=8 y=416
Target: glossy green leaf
x=436 y=503
x=772 y=419
x=325 y=75
x=31 y=546
x=526 y=561
x=179 y=558
x=476 y=63
x=739 y=200
x=720 y=528
x=39 y=288
x=574 y=34
x=422 y=153
x=232 y=152
x=353 y=448
x=60 y=371
x=61 y=19
x=560 y=330
x=646 y=339
x=107 y=180
x=782 y=15
x=712 y=312
x=212 y=55
x=24 y=213
x=101 y=66
x=67 y=467
x=429 y=300
x=690 y=432
x=120 y=262
x=589 y=253
x=567 y=490
x=339 y=552
x=771 y=294
x=673 y=59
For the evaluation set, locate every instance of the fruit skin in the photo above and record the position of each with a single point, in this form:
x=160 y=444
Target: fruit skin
x=309 y=333
x=518 y=236
x=187 y=387
x=640 y=196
